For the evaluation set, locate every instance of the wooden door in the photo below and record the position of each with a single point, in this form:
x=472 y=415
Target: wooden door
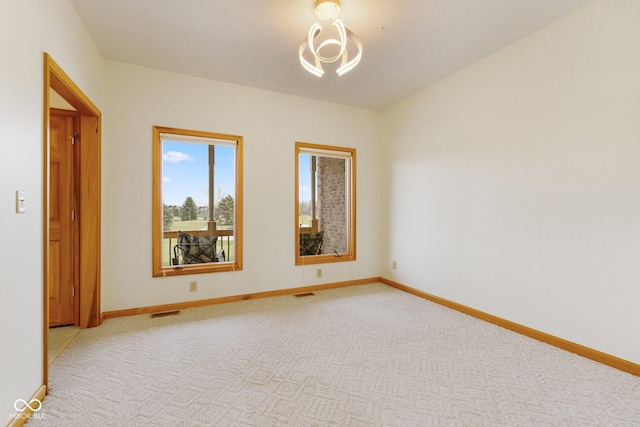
x=61 y=218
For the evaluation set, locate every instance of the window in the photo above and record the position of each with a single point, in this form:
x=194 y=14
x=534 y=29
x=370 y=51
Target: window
x=325 y=204
x=197 y=202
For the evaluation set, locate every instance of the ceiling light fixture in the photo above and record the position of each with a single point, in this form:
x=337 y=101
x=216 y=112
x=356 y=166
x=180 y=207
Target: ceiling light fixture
x=330 y=10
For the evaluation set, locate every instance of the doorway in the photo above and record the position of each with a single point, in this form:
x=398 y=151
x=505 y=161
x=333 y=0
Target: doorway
x=79 y=272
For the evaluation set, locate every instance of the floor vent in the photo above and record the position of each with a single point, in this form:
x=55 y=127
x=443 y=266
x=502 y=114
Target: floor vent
x=306 y=294
x=166 y=313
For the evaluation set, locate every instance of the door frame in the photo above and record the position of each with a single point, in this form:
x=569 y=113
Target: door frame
x=88 y=201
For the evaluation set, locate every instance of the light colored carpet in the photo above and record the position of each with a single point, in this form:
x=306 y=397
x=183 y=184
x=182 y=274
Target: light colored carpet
x=361 y=356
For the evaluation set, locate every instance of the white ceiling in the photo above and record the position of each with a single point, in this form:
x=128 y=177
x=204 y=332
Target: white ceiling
x=408 y=44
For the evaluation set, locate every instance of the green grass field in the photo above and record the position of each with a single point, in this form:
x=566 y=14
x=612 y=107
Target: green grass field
x=304 y=219
x=197 y=224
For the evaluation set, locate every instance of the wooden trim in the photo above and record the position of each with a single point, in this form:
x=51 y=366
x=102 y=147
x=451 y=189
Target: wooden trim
x=296 y=205
x=572 y=347
x=156 y=200
x=45 y=218
x=322 y=259
x=62 y=83
x=159 y=270
x=353 y=206
x=181 y=270
x=89 y=220
x=234 y=298
x=21 y=417
x=89 y=200
x=239 y=204
x=174 y=234
x=350 y=255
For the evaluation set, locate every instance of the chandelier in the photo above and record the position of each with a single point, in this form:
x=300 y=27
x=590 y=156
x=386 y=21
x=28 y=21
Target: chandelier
x=333 y=48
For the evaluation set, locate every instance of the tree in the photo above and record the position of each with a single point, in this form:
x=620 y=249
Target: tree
x=189 y=210
x=203 y=211
x=167 y=217
x=305 y=207
x=224 y=211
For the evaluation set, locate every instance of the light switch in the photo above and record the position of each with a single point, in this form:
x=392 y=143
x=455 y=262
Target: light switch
x=21 y=200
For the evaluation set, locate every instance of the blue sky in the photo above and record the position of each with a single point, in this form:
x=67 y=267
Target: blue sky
x=185 y=172
x=304 y=173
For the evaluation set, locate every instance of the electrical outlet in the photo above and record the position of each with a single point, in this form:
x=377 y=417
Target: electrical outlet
x=394 y=265
x=193 y=286
x=319 y=273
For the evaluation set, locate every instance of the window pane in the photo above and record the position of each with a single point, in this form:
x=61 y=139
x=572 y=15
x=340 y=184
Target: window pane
x=197 y=176
x=325 y=204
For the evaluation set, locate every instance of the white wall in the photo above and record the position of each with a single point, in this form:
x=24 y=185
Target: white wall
x=27 y=29
x=139 y=98
x=513 y=186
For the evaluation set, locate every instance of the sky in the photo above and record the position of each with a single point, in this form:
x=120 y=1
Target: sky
x=185 y=172
x=304 y=173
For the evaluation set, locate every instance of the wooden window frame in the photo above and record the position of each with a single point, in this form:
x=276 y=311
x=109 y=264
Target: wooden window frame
x=156 y=222
x=350 y=255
